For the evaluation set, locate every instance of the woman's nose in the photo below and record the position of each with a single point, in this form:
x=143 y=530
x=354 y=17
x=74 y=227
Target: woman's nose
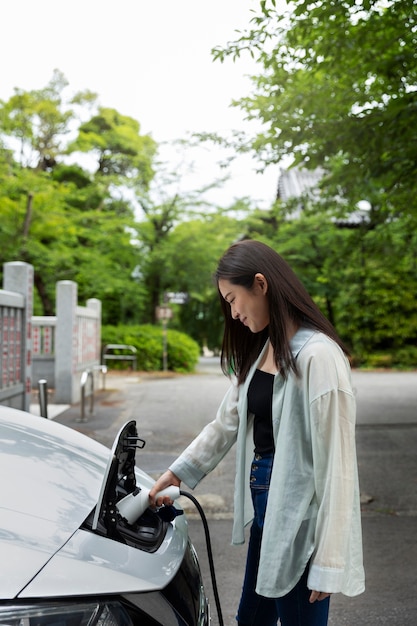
x=235 y=314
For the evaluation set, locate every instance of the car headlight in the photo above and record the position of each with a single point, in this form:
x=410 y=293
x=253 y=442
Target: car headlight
x=106 y=613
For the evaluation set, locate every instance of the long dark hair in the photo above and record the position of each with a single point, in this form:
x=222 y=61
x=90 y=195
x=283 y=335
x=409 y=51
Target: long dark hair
x=288 y=299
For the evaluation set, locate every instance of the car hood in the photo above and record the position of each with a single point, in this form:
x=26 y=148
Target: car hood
x=51 y=477
x=50 y=481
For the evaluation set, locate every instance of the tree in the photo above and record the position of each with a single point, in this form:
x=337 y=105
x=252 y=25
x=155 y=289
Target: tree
x=38 y=120
x=164 y=208
x=362 y=275
x=52 y=222
x=121 y=152
x=69 y=222
x=190 y=257
x=338 y=90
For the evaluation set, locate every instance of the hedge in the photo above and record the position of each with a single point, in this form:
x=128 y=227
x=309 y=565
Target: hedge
x=182 y=351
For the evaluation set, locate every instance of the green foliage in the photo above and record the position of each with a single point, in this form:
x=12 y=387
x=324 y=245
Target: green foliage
x=377 y=301
x=69 y=223
x=172 y=257
x=337 y=90
x=121 y=151
x=182 y=351
x=190 y=258
x=363 y=278
x=403 y=359
x=338 y=85
x=37 y=120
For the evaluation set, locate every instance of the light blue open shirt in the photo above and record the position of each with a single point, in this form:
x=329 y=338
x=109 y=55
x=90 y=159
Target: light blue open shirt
x=313 y=509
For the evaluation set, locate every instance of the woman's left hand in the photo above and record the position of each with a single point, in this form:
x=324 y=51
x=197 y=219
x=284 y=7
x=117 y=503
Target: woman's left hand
x=318 y=595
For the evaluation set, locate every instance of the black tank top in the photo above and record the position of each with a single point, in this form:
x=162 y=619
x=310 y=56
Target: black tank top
x=260 y=404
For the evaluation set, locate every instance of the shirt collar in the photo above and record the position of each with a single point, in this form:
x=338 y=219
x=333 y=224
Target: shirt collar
x=299 y=340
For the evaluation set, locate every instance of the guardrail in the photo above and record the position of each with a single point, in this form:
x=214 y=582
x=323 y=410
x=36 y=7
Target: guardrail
x=88 y=375
x=131 y=356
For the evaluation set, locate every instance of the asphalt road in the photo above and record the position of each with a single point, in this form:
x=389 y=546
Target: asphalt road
x=171 y=409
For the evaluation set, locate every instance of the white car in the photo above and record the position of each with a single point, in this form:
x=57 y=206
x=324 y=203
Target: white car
x=68 y=558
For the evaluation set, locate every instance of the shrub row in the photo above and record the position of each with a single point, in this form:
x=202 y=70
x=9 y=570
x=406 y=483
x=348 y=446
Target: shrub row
x=402 y=359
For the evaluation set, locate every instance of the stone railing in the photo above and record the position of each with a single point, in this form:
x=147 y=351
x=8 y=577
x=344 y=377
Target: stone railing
x=67 y=344
x=55 y=348
x=16 y=302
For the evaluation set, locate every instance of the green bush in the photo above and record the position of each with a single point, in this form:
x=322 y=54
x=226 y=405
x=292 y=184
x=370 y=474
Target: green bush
x=406 y=358
x=182 y=351
x=378 y=361
x=401 y=359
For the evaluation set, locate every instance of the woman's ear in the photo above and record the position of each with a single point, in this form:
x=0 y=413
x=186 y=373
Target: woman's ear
x=261 y=282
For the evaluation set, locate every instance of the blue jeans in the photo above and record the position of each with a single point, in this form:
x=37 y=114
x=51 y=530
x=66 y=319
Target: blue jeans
x=293 y=609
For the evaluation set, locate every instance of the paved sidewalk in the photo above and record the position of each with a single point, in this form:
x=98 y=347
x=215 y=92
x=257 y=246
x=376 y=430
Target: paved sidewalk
x=171 y=409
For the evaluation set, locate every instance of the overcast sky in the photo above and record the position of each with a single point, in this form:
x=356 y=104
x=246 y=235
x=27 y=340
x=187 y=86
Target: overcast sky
x=149 y=60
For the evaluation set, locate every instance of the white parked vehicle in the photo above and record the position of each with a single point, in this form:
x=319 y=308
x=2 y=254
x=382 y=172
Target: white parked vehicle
x=68 y=557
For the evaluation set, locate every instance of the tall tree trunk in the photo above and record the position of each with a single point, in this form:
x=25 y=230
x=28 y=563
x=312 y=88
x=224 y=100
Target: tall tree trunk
x=47 y=305
x=28 y=217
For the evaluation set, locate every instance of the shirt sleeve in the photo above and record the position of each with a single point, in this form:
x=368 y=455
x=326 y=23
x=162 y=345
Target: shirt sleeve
x=211 y=445
x=333 y=416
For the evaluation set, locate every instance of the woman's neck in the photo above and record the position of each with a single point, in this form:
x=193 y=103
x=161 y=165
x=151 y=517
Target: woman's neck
x=268 y=363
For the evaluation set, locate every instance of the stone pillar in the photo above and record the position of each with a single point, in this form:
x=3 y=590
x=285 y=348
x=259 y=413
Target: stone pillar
x=66 y=376
x=95 y=304
x=18 y=278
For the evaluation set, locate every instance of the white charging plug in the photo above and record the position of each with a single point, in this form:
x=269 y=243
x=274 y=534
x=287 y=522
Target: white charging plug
x=132 y=506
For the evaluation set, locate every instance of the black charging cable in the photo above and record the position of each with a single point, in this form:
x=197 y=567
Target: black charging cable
x=209 y=553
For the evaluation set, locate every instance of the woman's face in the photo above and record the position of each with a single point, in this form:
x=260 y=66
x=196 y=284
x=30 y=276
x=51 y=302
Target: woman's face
x=250 y=306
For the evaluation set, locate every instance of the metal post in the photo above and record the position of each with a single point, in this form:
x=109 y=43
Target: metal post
x=164 y=345
x=164 y=313
x=102 y=369
x=86 y=375
x=43 y=397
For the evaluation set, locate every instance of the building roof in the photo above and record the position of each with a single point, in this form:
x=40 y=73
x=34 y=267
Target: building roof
x=298 y=183
x=294 y=183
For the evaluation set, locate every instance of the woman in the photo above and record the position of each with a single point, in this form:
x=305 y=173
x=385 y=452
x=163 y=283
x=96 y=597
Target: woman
x=291 y=412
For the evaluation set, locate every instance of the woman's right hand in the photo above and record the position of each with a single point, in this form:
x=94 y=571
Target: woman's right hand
x=166 y=480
